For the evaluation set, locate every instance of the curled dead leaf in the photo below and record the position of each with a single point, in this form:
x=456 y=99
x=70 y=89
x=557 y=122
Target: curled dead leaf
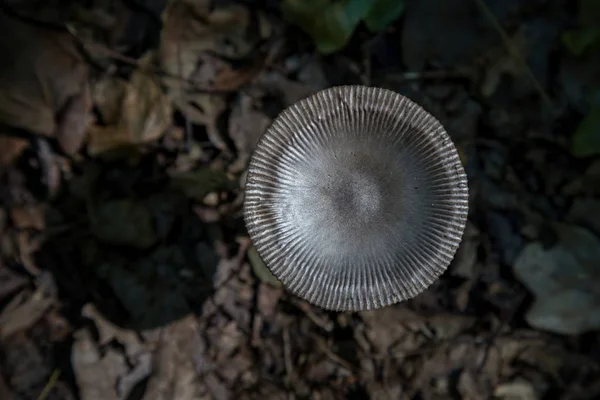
x=135 y=112
x=41 y=76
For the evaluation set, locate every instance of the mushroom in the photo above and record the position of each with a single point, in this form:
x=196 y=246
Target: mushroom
x=356 y=198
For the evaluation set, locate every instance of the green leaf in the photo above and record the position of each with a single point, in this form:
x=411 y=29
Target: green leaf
x=329 y=23
x=586 y=140
x=587 y=36
x=383 y=13
x=580 y=40
x=260 y=269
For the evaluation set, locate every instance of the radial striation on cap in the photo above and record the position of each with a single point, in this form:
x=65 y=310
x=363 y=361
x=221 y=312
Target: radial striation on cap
x=356 y=198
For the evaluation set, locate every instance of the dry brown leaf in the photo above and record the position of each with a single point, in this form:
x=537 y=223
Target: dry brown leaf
x=18 y=316
x=471 y=387
x=268 y=299
x=231 y=79
x=96 y=374
x=10 y=149
x=446 y=325
x=138 y=354
x=74 y=120
x=28 y=217
x=193 y=28
x=204 y=109
x=394 y=329
x=246 y=126
x=291 y=91
x=179 y=350
x=503 y=62
x=27 y=246
x=516 y=390
x=41 y=73
x=135 y=111
x=464 y=263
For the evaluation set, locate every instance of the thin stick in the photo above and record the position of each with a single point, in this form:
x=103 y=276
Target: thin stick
x=287 y=352
x=514 y=52
x=49 y=385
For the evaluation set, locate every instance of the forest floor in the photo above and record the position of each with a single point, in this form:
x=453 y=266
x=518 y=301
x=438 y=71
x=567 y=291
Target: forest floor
x=126 y=271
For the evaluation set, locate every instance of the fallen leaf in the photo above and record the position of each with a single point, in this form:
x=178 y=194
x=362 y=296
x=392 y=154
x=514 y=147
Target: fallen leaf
x=193 y=28
x=329 y=23
x=204 y=109
x=246 y=126
x=587 y=35
x=261 y=271
x=135 y=112
x=74 y=120
x=516 y=390
x=470 y=385
x=502 y=62
x=191 y=31
x=177 y=360
x=268 y=299
x=139 y=356
x=586 y=139
x=290 y=90
x=383 y=13
x=27 y=245
x=96 y=372
x=564 y=279
x=196 y=184
x=40 y=75
x=464 y=263
x=28 y=217
x=393 y=328
x=11 y=149
x=21 y=315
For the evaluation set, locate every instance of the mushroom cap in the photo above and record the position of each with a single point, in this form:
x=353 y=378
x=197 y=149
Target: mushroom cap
x=356 y=198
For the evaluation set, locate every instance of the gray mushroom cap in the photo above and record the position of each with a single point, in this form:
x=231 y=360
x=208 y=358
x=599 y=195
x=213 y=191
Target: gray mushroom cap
x=356 y=198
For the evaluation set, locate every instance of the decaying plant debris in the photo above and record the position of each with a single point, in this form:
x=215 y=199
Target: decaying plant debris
x=126 y=270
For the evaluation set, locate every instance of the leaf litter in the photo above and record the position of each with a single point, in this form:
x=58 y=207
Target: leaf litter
x=137 y=275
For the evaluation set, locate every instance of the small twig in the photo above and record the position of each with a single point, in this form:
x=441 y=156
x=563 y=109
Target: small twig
x=331 y=355
x=492 y=339
x=514 y=52
x=187 y=129
x=327 y=326
x=49 y=385
x=287 y=352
